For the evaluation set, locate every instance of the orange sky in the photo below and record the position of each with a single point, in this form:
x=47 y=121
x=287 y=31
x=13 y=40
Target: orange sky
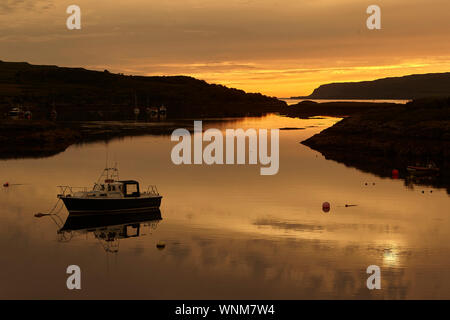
x=281 y=48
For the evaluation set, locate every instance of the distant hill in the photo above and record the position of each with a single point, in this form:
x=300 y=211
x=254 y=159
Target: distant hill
x=407 y=87
x=81 y=94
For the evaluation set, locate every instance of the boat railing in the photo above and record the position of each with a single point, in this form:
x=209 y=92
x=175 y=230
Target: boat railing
x=152 y=190
x=68 y=190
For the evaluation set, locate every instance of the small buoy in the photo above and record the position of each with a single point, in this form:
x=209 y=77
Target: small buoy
x=366 y=183
x=431 y=191
x=326 y=207
x=423 y=191
x=161 y=245
x=6 y=184
x=395 y=174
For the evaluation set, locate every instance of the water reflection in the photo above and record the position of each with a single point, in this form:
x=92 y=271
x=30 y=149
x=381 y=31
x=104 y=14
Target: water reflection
x=383 y=166
x=108 y=229
x=230 y=233
x=391 y=257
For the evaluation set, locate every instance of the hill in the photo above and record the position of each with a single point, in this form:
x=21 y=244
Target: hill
x=80 y=94
x=407 y=87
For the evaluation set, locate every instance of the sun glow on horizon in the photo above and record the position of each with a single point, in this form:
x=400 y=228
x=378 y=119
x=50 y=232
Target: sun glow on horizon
x=278 y=49
x=282 y=79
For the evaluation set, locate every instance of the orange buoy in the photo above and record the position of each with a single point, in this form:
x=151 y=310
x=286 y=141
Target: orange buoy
x=326 y=207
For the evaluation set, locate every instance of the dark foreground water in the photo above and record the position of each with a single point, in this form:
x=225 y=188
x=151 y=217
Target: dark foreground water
x=229 y=232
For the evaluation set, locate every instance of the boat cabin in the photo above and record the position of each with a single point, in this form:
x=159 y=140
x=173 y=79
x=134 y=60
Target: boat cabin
x=130 y=188
x=125 y=188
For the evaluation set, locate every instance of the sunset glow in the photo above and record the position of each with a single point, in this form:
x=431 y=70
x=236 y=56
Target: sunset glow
x=282 y=49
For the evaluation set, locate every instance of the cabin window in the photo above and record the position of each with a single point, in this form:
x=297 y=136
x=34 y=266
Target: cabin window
x=132 y=230
x=131 y=190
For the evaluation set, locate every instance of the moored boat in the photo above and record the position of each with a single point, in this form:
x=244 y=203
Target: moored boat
x=110 y=195
x=419 y=169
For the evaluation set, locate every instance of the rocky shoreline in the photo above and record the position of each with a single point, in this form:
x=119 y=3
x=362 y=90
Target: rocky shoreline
x=36 y=139
x=307 y=108
x=381 y=139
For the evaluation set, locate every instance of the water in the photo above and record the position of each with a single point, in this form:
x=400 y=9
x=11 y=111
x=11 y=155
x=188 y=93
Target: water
x=295 y=101
x=229 y=232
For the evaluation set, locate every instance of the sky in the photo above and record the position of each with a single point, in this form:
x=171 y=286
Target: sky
x=280 y=48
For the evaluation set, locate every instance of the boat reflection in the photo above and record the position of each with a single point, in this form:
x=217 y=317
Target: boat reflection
x=412 y=180
x=109 y=229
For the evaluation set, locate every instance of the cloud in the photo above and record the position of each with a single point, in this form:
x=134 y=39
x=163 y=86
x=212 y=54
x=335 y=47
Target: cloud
x=280 y=48
x=9 y=6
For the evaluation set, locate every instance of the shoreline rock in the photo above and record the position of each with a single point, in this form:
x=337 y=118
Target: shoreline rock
x=37 y=139
x=306 y=109
x=380 y=140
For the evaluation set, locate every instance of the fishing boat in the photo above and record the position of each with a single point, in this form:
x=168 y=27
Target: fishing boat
x=16 y=113
x=110 y=195
x=163 y=111
x=431 y=168
x=154 y=112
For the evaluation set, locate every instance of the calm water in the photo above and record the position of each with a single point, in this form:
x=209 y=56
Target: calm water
x=229 y=232
x=295 y=101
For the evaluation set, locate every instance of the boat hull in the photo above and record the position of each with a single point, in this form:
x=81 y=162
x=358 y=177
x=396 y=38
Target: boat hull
x=108 y=205
x=422 y=170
